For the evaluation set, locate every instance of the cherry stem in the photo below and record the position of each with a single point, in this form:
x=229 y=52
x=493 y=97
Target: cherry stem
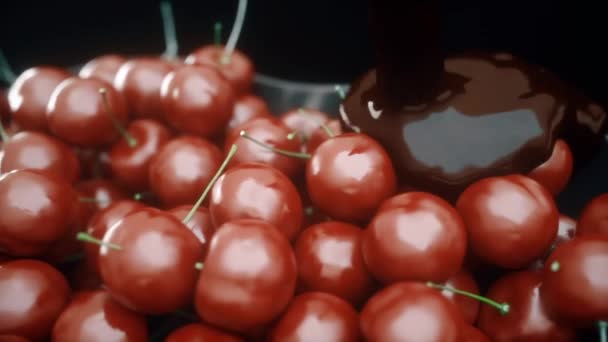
x=602 y=326
x=217 y=175
x=3 y=135
x=171 y=48
x=217 y=33
x=555 y=266
x=341 y=91
x=236 y=32
x=141 y=195
x=86 y=237
x=327 y=130
x=309 y=211
x=198 y=266
x=6 y=72
x=131 y=141
x=503 y=308
x=300 y=155
x=90 y=200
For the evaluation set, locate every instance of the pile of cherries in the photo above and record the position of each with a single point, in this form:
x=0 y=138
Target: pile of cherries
x=149 y=190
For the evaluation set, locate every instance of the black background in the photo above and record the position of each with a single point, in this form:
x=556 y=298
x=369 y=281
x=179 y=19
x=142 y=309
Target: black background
x=314 y=40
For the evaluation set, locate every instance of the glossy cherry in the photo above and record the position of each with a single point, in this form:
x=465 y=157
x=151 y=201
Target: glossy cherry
x=200 y=224
x=32 y=295
x=39 y=151
x=98 y=194
x=197 y=100
x=36 y=209
x=349 y=176
x=414 y=236
x=94 y=163
x=330 y=260
x=574 y=286
x=566 y=232
x=511 y=220
x=201 y=332
x=410 y=311
x=469 y=307
x=594 y=217
x=555 y=173
x=527 y=319
x=78 y=114
x=130 y=159
x=473 y=334
x=93 y=316
x=320 y=134
x=153 y=271
x=104 y=67
x=304 y=121
x=139 y=80
x=238 y=70
x=101 y=222
x=182 y=168
x=257 y=191
x=247 y=108
x=29 y=95
x=248 y=278
x=317 y=316
x=269 y=131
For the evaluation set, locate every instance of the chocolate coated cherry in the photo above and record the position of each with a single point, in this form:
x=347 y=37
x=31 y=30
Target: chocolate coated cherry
x=201 y=332
x=29 y=95
x=414 y=236
x=32 y=295
x=36 y=210
x=93 y=316
x=257 y=191
x=239 y=70
x=527 y=319
x=555 y=173
x=410 y=311
x=153 y=270
x=78 y=114
x=594 y=218
x=103 y=67
x=248 y=278
x=197 y=100
x=39 y=151
x=330 y=260
x=182 y=168
x=317 y=316
x=511 y=220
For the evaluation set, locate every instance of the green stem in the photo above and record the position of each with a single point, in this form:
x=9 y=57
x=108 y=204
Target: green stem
x=555 y=266
x=3 y=135
x=85 y=237
x=327 y=130
x=141 y=195
x=199 y=266
x=217 y=33
x=131 y=141
x=602 y=327
x=341 y=91
x=217 y=175
x=235 y=33
x=6 y=72
x=300 y=155
x=90 y=200
x=503 y=308
x=171 y=47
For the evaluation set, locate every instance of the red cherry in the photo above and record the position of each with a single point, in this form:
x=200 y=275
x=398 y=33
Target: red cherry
x=318 y=316
x=239 y=71
x=574 y=286
x=415 y=236
x=101 y=223
x=330 y=260
x=469 y=307
x=13 y=338
x=304 y=121
x=527 y=319
x=197 y=100
x=257 y=191
x=248 y=278
x=103 y=67
x=139 y=80
x=93 y=163
x=268 y=131
x=130 y=162
x=78 y=114
x=594 y=217
x=319 y=135
x=472 y=334
x=182 y=168
x=511 y=220
x=247 y=108
x=200 y=224
x=93 y=316
x=349 y=176
x=409 y=311
x=32 y=295
x=36 y=209
x=29 y=95
x=153 y=270
x=32 y=150
x=98 y=194
x=555 y=173
x=201 y=332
